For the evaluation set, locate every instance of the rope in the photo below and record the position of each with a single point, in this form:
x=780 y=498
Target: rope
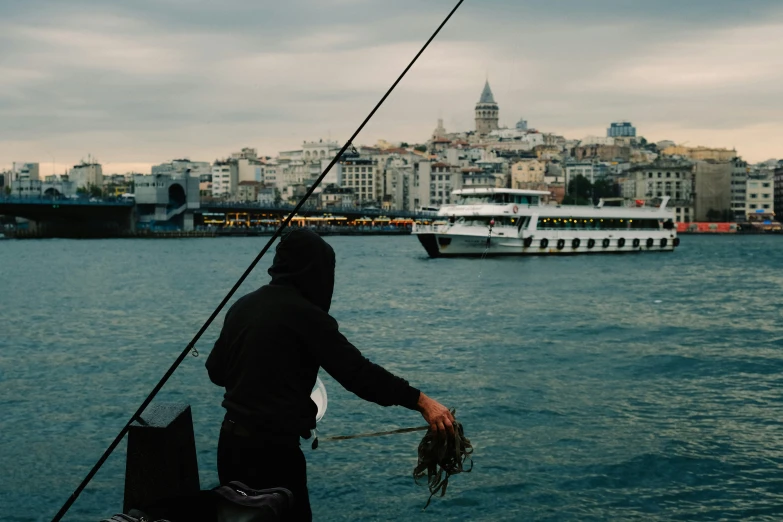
x=191 y=347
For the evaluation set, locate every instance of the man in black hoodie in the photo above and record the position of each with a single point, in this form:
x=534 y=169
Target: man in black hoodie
x=267 y=357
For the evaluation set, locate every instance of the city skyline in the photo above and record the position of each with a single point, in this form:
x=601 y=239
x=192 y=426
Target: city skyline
x=143 y=84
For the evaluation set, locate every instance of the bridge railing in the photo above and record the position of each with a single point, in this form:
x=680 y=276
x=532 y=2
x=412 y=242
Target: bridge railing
x=227 y=206
x=49 y=200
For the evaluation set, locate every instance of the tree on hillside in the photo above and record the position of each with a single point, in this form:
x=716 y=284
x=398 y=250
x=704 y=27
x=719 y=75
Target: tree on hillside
x=603 y=188
x=578 y=191
x=582 y=192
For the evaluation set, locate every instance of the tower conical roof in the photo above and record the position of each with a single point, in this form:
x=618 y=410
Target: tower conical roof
x=486 y=94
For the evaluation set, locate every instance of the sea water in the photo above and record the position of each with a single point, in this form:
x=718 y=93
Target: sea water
x=637 y=387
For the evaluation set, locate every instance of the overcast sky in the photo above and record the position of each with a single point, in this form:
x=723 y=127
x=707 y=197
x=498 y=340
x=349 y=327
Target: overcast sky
x=143 y=82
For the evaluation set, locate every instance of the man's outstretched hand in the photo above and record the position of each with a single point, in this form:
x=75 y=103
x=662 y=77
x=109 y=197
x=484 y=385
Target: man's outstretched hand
x=437 y=415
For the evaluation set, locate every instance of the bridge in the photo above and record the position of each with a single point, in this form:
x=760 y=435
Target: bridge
x=63 y=217
x=308 y=209
x=89 y=217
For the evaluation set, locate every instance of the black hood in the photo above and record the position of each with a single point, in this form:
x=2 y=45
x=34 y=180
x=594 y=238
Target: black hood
x=306 y=262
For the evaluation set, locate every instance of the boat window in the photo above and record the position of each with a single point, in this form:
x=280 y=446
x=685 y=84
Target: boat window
x=476 y=221
x=498 y=199
x=474 y=199
x=571 y=223
x=505 y=221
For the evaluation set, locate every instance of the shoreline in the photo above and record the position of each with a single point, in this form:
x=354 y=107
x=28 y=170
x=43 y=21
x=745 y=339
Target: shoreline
x=179 y=234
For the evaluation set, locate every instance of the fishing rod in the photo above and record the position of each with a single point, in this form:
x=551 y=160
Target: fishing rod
x=191 y=347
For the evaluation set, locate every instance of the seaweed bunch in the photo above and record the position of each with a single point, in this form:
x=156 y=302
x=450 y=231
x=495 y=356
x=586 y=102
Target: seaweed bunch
x=440 y=457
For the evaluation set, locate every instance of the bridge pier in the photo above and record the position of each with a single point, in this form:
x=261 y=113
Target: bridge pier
x=187 y=224
x=47 y=217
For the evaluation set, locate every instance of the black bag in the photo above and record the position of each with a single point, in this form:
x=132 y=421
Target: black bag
x=239 y=503
x=232 y=502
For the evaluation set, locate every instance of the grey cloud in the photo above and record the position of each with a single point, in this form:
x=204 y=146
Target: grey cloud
x=265 y=73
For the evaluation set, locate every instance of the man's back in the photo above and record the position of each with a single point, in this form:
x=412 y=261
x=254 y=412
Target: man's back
x=264 y=359
x=267 y=357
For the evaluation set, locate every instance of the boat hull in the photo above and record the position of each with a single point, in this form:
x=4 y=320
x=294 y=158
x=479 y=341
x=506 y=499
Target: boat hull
x=462 y=245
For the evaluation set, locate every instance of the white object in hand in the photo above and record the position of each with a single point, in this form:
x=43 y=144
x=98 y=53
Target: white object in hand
x=318 y=396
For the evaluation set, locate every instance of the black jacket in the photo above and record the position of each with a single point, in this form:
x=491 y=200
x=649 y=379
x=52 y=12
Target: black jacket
x=275 y=339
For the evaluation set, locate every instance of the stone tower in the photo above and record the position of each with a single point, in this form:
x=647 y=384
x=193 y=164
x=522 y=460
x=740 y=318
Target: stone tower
x=486 y=112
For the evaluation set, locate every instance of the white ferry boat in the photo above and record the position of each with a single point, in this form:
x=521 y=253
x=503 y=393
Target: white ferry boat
x=497 y=221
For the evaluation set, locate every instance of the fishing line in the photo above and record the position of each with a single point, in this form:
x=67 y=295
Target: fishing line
x=486 y=250
x=377 y=433
x=191 y=347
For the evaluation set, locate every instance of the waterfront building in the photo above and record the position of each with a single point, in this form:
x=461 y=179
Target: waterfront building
x=739 y=185
x=58 y=186
x=514 y=140
x=444 y=179
x=21 y=171
x=87 y=174
x=476 y=177
x=333 y=197
x=555 y=140
x=650 y=183
x=555 y=173
x=548 y=152
x=397 y=176
x=596 y=140
x=164 y=199
x=760 y=196
x=116 y=184
x=290 y=155
x=617 y=168
x=439 y=145
x=245 y=153
x=269 y=175
x=26 y=188
x=249 y=169
x=487 y=112
x=590 y=170
x=205 y=184
x=319 y=150
x=248 y=190
x=712 y=191
x=248 y=165
x=335 y=175
x=526 y=171
x=621 y=128
x=267 y=195
x=360 y=174
x=225 y=177
x=178 y=167
x=701 y=153
x=777 y=177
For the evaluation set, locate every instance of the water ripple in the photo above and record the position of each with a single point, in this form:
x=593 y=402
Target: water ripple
x=597 y=388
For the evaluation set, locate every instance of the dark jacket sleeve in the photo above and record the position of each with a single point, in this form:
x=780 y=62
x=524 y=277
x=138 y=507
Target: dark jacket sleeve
x=218 y=361
x=357 y=374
